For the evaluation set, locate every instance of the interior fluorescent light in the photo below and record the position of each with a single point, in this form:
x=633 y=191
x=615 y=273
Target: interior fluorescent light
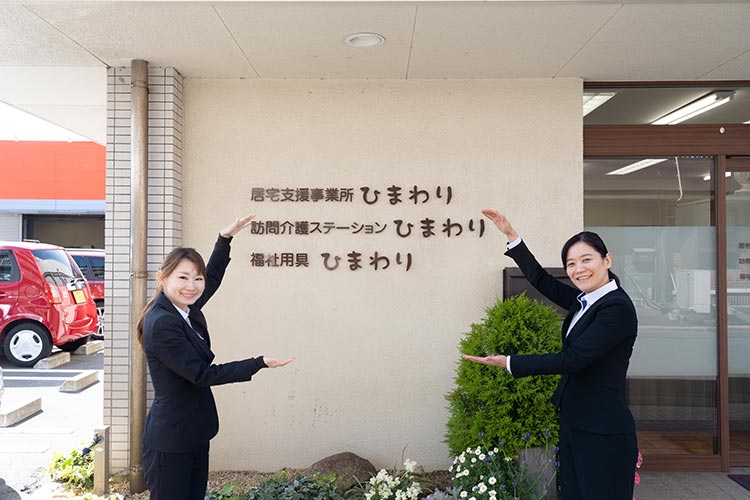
x=592 y=100
x=707 y=177
x=695 y=108
x=636 y=166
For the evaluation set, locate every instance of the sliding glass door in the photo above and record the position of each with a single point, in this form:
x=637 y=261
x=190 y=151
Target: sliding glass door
x=738 y=309
x=656 y=215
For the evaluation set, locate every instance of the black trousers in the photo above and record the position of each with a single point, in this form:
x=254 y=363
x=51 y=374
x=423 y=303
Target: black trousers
x=176 y=476
x=597 y=466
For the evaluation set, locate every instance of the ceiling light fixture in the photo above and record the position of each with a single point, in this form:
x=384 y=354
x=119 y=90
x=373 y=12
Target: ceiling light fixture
x=627 y=169
x=696 y=108
x=364 y=40
x=592 y=100
x=707 y=177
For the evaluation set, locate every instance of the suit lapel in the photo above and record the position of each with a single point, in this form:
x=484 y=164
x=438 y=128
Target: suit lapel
x=588 y=317
x=199 y=345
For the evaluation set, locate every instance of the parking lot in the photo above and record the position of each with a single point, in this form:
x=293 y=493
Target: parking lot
x=67 y=421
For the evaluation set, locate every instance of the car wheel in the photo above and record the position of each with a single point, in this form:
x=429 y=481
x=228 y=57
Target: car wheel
x=27 y=343
x=73 y=344
x=99 y=335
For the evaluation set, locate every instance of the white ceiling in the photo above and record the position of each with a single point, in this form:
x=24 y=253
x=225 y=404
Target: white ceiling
x=595 y=40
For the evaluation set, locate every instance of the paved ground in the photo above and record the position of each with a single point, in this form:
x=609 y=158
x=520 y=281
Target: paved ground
x=66 y=421
x=690 y=486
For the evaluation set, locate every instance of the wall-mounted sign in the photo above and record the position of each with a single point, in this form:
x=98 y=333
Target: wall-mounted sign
x=425 y=227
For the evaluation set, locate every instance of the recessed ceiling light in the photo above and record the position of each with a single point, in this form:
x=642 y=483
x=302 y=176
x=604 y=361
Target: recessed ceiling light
x=364 y=40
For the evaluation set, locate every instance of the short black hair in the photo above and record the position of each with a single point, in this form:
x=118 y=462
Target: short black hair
x=594 y=241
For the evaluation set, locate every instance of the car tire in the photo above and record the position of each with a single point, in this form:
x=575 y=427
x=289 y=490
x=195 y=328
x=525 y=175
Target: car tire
x=27 y=343
x=99 y=335
x=73 y=344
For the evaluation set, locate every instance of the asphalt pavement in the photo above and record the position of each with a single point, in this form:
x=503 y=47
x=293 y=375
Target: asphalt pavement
x=67 y=421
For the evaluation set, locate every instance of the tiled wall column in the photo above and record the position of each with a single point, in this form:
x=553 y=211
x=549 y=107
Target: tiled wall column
x=164 y=226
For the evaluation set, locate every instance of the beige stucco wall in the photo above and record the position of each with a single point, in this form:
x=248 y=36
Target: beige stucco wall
x=375 y=350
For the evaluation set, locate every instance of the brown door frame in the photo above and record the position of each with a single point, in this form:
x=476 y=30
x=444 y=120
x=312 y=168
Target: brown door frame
x=734 y=164
x=719 y=141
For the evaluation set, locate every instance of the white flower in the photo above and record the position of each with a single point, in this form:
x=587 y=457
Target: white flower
x=462 y=459
x=482 y=456
x=493 y=494
x=410 y=465
x=481 y=487
x=495 y=449
x=463 y=494
x=414 y=490
x=473 y=460
x=492 y=480
x=478 y=451
x=400 y=495
x=490 y=453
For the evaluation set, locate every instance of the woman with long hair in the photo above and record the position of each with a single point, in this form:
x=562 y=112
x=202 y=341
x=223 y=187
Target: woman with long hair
x=174 y=335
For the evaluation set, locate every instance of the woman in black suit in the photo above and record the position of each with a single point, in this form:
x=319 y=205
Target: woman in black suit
x=598 y=445
x=173 y=331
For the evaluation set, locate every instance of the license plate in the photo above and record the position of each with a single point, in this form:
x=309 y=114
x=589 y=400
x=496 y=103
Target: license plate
x=79 y=296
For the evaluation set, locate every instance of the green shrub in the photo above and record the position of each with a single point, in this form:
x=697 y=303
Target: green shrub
x=489 y=406
x=229 y=491
x=283 y=487
x=74 y=470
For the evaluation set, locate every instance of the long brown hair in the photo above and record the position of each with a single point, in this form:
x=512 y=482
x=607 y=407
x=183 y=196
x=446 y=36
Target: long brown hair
x=168 y=265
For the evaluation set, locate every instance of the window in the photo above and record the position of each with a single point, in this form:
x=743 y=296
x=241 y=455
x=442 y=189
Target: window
x=55 y=266
x=8 y=268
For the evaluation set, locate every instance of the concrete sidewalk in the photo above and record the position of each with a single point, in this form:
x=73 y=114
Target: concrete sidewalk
x=691 y=486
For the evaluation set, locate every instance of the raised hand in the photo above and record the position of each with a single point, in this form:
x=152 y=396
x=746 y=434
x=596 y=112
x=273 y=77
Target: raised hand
x=275 y=363
x=236 y=226
x=501 y=223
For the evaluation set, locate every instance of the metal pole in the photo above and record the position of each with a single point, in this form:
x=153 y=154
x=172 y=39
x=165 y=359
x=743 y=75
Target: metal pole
x=138 y=262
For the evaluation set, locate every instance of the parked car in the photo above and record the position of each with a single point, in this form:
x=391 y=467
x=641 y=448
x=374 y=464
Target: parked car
x=91 y=262
x=2 y=387
x=44 y=302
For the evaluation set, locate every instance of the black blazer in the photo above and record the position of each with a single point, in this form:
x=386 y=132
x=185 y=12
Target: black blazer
x=183 y=414
x=594 y=358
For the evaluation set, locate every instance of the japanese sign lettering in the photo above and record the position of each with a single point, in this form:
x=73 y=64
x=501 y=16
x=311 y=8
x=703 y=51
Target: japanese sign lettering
x=403 y=228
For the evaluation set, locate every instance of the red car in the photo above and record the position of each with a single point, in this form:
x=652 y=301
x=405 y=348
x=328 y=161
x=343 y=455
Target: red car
x=91 y=262
x=44 y=302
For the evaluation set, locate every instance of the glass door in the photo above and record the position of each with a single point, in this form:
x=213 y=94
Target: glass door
x=738 y=308
x=657 y=217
